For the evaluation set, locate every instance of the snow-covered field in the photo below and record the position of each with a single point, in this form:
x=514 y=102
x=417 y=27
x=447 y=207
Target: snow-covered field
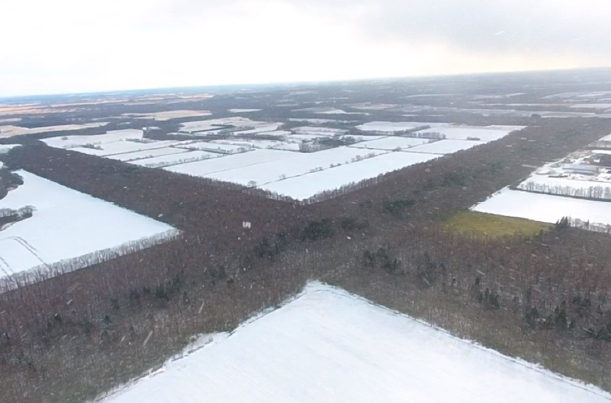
x=485 y=134
x=327 y=345
x=138 y=155
x=68 y=142
x=175 y=159
x=237 y=110
x=168 y=115
x=223 y=148
x=11 y=131
x=446 y=146
x=577 y=185
x=306 y=186
x=123 y=147
x=256 y=143
x=67 y=224
x=203 y=168
x=391 y=127
x=544 y=208
x=391 y=143
x=299 y=164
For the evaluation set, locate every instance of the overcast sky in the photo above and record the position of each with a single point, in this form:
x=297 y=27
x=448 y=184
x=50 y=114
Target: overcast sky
x=58 y=46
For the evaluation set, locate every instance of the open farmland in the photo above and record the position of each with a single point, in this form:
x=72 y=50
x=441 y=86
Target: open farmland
x=68 y=229
x=329 y=345
x=446 y=146
x=546 y=208
x=577 y=187
x=307 y=186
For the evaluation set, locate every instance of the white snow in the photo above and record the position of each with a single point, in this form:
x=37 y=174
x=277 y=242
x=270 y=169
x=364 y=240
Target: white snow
x=169 y=115
x=391 y=127
x=79 y=141
x=391 y=143
x=5 y=148
x=123 y=147
x=206 y=167
x=174 y=159
x=66 y=224
x=299 y=164
x=306 y=186
x=224 y=148
x=592 y=106
x=156 y=152
x=544 y=208
x=485 y=134
x=446 y=146
x=327 y=345
x=238 y=110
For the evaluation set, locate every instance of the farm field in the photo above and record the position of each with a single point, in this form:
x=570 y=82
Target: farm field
x=68 y=142
x=67 y=225
x=202 y=168
x=307 y=186
x=545 y=208
x=391 y=127
x=299 y=164
x=446 y=146
x=329 y=345
x=391 y=143
x=472 y=133
x=175 y=159
x=13 y=131
x=137 y=155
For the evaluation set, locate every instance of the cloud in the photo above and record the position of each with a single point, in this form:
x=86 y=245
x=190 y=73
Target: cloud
x=75 y=45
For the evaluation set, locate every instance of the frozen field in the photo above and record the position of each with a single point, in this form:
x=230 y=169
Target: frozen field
x=391 y=143
x=138 y=155
x=66 y=224
x=572 y=186
x=446 y=146
x=299 y=164
x=11 y=131
x=203 y=168
x=330 y=346
x=175 y=159
x=68 y=142
x=391 y=127
x=544 y=208
x=306 y=186
x=223 y=148
x=485 y=134
x=123 y=147
x=168 y=115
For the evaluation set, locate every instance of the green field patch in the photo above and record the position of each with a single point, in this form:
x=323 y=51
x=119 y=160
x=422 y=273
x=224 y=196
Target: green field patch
x=491 y=225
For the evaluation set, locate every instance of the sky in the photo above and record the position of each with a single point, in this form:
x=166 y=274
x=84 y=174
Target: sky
x=65 y=46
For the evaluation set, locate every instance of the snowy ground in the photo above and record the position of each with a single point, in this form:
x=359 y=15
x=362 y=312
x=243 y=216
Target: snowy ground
x=138 y=155
x=544 y=208
x=65 y=225
x=391 y=127
x=175 y=159
x=69 y=142
x=330 y=346
x=306 y=186
x=168 y=115
x=203 y=168
x=11 y=131
x=391 y=143
x=299 y=164
x=485 y=134
x=446 y=146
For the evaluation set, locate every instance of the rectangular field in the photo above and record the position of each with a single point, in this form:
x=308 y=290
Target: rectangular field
x=330 y=346
x=444 y=147
x=391 y=143
x=545 y=208
x=138 y=155
x=306 y=186
x=175 y=159
x=485 y=134
x=299 y=164
x=234 y=161
x=67 y=225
